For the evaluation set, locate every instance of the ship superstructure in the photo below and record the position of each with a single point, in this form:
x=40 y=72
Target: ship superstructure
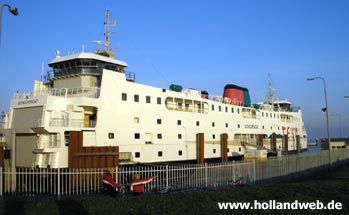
x=89 y=100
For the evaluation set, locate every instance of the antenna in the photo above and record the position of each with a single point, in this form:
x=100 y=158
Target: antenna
x=99 y=43
x=107 y=31
x=107 y=50
x=271 y=91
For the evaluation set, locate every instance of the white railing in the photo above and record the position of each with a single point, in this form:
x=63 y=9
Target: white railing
x=92 y=92
x=67 y=122
x=64 y=122
x=179 y=177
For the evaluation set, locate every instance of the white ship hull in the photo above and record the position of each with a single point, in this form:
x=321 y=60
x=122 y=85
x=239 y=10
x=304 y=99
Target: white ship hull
x=160 y=127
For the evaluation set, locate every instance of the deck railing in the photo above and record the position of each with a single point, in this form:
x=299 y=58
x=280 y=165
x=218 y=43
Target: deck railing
x=179 y=177
x=91 y=92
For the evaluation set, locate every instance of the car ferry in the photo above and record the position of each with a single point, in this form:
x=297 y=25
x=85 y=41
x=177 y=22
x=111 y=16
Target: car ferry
x=90 y=112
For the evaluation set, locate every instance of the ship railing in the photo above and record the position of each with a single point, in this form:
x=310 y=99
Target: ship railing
x=77 y=123
x=58 y=122
x=64 y=122
x=228 y=101
x=25 y=95
x=48 y=141
x=52 y=144
x=289 y=109
x=92 y=92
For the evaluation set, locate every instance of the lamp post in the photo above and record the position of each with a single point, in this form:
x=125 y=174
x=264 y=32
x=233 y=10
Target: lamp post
x=12 y=10
x=327 y=117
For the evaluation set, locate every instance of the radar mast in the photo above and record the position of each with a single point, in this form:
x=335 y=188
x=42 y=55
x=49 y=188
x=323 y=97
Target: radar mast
x=107 y=50
x=271 y=91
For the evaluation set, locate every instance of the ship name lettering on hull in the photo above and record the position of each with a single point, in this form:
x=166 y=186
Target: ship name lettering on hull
x=29 y=101
x=289 y=130
x=251 y=126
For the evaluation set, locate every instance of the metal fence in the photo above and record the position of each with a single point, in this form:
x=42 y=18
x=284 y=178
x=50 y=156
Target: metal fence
x=169 y=177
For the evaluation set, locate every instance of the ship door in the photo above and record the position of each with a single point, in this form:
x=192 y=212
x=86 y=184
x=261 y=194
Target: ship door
x=260 y=140
x=285 y=143
x=148 y=138
x=298 y=142
x=86 y=120
x=273 y=142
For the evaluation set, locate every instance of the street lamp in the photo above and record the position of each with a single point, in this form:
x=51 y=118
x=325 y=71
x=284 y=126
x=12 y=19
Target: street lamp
x=12 y=10
x=327 y=117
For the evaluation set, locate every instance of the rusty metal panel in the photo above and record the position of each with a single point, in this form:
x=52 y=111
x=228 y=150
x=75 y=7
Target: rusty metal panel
x=200 y=144
x=224 y=147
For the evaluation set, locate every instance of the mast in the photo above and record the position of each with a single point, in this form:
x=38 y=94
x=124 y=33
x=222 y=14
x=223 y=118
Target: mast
x=107 y=50
x=271 y=91
x=107 y=31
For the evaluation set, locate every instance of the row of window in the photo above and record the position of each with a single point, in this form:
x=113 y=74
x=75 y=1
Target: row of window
x=180 y=153
x=136 y=98
x=159 y=136
x=200 y=106
x=179 y=122
x=137 y=136
x=160 y=154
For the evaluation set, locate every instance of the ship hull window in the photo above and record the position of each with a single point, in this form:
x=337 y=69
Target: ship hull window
x=136 y=98
x=147 y=99
x=124 y=97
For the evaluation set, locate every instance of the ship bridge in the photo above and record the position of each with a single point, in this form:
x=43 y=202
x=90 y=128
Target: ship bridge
x=282 y=105
x=87 y=65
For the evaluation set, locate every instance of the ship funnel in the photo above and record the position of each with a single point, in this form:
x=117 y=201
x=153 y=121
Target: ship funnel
x=238 y=95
